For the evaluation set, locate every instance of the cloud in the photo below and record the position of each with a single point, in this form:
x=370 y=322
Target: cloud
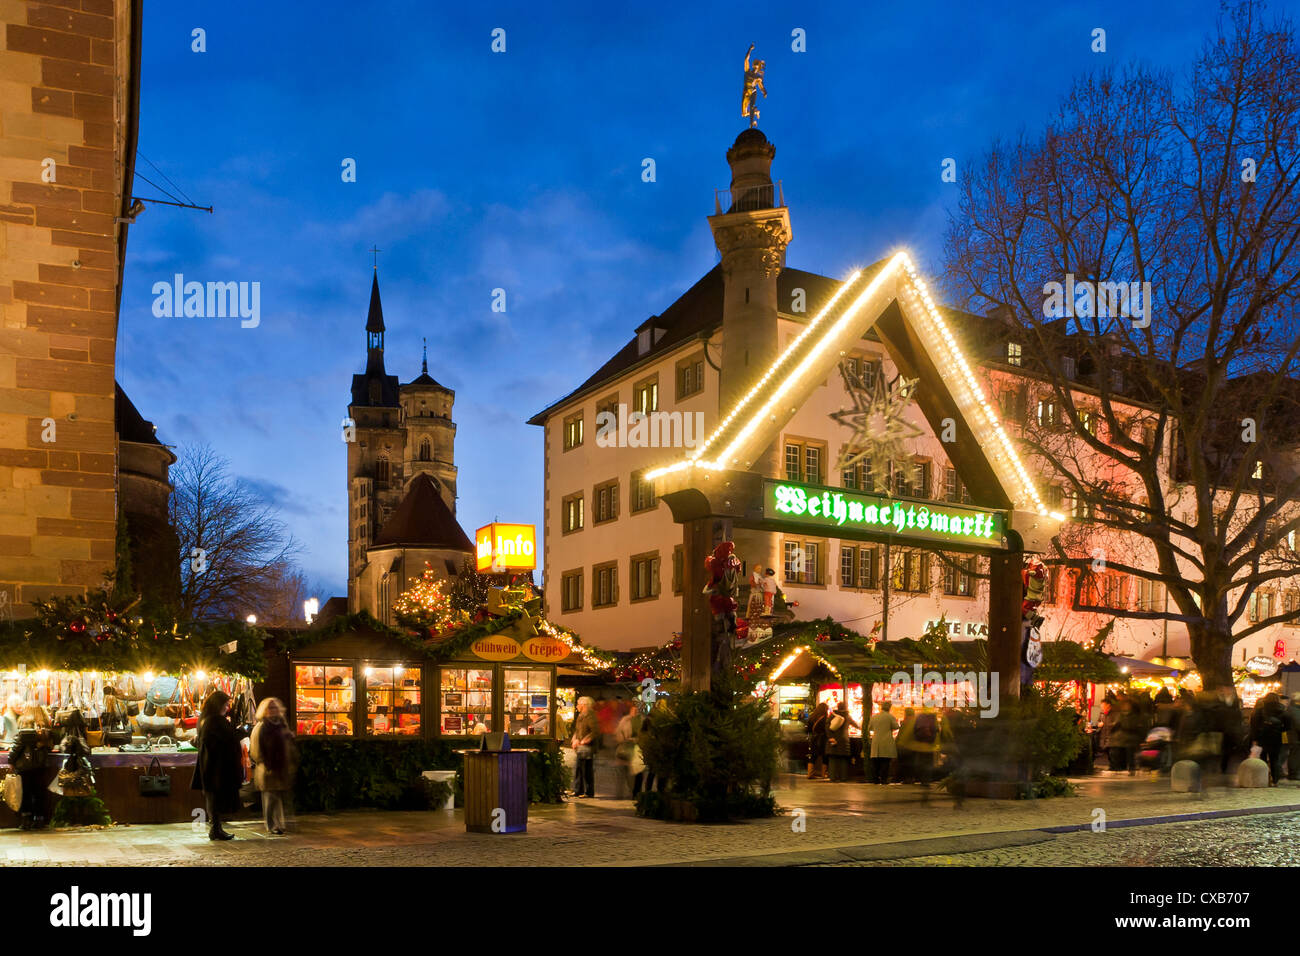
x=276 y=495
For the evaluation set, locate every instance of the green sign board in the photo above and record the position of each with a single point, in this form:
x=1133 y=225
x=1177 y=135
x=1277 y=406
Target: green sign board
x=831 y=508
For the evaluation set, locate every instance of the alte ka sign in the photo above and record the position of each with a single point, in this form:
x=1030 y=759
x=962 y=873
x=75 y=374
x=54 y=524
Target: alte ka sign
x=807 y=505
x=506 y=547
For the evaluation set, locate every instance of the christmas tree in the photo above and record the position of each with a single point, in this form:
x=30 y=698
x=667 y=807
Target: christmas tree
x=423 y=605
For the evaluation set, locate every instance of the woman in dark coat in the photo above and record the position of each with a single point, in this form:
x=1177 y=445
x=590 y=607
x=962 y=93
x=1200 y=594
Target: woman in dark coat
x=837 y=744
x=219 y=769
x=29 y=758
x=817 y=733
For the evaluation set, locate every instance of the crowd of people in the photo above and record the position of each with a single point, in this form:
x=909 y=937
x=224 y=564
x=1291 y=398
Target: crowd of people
x=1141 y=730
x=894 y=751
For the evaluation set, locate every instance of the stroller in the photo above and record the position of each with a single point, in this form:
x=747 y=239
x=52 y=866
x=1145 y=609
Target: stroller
x=1155 y=753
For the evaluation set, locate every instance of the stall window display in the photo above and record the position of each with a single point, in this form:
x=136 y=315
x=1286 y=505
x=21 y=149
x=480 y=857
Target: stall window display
x=393 y=700
x=324 y=695
x=566 y=701
x=466 y=705
x=527 y=708
x=793 y=702
x=832 y=694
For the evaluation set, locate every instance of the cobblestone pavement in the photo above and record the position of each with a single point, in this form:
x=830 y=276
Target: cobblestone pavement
x=1263 y=840
x=886 y=821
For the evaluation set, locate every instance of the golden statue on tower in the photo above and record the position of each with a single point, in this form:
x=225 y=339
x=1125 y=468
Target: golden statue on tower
x=753 y=86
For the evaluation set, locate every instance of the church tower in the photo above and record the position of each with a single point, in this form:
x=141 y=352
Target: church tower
x=376 y=449
x=430 y=432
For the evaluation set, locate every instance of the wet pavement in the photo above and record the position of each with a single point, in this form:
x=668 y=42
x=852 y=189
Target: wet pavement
x=821 y=823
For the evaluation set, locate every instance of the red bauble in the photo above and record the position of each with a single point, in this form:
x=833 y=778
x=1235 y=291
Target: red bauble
x=77 y=627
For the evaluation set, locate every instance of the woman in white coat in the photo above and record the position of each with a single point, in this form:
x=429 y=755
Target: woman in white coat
x=883 y=747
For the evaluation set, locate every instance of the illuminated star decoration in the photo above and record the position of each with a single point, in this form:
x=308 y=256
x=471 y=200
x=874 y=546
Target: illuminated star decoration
x=879 y=429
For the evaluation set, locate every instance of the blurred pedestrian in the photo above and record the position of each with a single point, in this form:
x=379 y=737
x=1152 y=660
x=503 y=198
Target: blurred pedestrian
x=838 y=746
x=29 y=758
x=1128 y=732
x=275 y=761
x=1267 y=725
x=920 y=738
x=1292 y=706
x=904 y=767
x=818 y=733
x=218 y=769
x=884 y=748
x=586 y=733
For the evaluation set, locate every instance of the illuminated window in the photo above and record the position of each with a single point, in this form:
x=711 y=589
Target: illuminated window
x=643 y=494
x=392 y=700
x=911 y=572
x=1014 y=354
x=573 y=431
x=324 y=698
x=1259 y=470
x=527 y=701
x=571 y=513
x=645 y=396
x=466 y=701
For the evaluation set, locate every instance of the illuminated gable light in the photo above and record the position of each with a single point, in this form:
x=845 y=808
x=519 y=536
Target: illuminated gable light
x=776 y=674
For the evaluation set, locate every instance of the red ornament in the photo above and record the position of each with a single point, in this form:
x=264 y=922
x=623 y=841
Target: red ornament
x=77 y=627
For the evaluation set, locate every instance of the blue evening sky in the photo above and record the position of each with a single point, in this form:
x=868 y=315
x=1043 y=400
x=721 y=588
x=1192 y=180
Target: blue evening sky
x=522 y=171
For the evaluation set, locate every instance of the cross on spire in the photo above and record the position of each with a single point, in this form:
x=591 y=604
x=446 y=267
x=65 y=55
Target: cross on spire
x=376 y=250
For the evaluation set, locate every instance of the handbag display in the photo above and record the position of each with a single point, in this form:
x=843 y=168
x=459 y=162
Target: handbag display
x=163 y=692
x=169 y=747
x=155 y=783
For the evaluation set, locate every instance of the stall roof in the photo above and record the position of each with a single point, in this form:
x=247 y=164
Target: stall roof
x=1136 y=666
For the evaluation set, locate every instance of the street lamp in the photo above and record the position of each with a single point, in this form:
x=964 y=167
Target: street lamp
x=251 y=619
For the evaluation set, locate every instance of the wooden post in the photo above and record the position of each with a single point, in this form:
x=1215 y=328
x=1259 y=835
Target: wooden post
x=1006 y=594
x=697 y=538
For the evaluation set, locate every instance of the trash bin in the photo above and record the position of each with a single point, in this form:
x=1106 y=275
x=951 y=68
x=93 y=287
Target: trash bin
x=496 y=789
x=444 y=776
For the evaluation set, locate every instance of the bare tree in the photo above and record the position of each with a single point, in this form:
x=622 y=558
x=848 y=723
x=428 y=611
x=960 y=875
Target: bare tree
x=1172 y=423
x=236 y=553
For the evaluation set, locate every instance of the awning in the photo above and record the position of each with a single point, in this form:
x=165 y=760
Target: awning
x=1131 y=665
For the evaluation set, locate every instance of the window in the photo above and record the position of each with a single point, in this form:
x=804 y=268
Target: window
x=323 y=699
x=857 y=566
x=573 y=431
x=1259 y=470
x=1115 y=590
x=954 y=489
x=571 y=591
x=381 y=470
x=1088 y=420
x=1047 y=414
x=1261 y=606
x=1053 y=580
x=812 y=473
x=1014 y=354
x=1067 y=366
x=605 y=502
x=912 y=479
x=607 y=407
x=804 y=461
x=527 y=703
x=679 y=560
x=393 y=700
x=864 y=371
x=604 y=585
x=1291 y=604
x=1081 y=508
x=643 y=494
x=645 y=396
x=645 y=576
x=911 y=572
x=690 y=376
x=1150 y=595
x=571 y=513
x=466 y=700
x=426 y=450
x=958 y=578
x=804 y=562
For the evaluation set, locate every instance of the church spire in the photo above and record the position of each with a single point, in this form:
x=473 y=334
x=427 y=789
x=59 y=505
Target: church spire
x=375 y=331
x=424 y=362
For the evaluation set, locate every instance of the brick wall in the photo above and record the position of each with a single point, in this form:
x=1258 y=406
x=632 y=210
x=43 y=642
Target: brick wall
x=65 y=95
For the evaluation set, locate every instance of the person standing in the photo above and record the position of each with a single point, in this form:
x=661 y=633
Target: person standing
x=586 y=731
x=1293 y=737
x=1267 y=724
x=884 y=748
x=218 y=769
x=838 y=746
x=29 y=758
x=275 y=761
x=817 y=735
x=921 y=740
